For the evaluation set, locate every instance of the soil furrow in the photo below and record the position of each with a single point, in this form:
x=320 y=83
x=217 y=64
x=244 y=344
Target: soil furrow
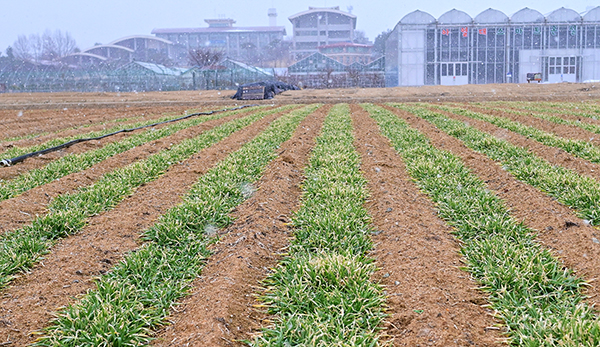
x=553 y=155
x=24 y=208
x=140 y=117
x=561 y=130
x=22 y=123
x=559 y=229
x=418 y=258
x=219 y=312
x=68 y=271
x=7 y=173
x=558 y=112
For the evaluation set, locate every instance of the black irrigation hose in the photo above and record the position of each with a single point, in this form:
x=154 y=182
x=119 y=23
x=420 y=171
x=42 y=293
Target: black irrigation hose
x=15 y=160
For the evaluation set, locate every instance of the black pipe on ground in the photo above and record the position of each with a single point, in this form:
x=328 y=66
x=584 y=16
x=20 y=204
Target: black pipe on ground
x=15 y=160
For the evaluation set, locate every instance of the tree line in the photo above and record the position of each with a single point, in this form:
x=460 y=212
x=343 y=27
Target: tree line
x=50 y=46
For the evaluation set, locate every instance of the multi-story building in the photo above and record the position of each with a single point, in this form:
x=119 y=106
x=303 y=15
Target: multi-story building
x=563 y=46
x=320 y=27
x=239 y=43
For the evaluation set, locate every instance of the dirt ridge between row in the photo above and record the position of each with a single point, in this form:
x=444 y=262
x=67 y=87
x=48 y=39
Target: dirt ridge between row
x=558 y=113
x=561 y=130
x=70 y=131
x=220 y=311
x=553 y=155
x=418 y=259
x=566 y=235
x=22 y=209
x=68 y=271
x=24 y=123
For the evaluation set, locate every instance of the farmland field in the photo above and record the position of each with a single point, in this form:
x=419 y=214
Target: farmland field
x=433 y=216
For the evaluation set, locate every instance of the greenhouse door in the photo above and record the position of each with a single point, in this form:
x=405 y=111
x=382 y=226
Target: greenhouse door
x=562 y=69
x=454 y=74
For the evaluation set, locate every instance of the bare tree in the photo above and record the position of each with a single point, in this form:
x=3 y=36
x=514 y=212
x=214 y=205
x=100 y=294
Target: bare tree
x=379 y=45
x=360 y=37
x=37 y=47
x=22 y=48
x=49 y=45
x=201 y=57
x=57 y=45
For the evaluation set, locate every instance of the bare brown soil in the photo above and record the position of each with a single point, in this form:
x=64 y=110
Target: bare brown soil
x=417 y=256
x=220 y=310
x=98 y=126
x=558 y=227
x=480 y=92
x=566 y=131
x=24 y=208
x=30 y=301
x=556 y=112
x=17 y=123
x=553 y=155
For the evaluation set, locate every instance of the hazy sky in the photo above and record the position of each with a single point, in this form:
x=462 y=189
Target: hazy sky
x=102 y=21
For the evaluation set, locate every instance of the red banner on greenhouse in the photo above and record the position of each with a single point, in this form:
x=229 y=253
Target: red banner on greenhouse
x=483 y=31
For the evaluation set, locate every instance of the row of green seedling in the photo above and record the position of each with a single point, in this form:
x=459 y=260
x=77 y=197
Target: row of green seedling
x=593 y=128
x=25 y=137
x=78 y=162
x=31 y=136
x=578 y=148
x=17 y=151
x=137 y=294
x=539 y=300
x=321 y=293
x=22 y=248
x=575 y=109
x=581 y=193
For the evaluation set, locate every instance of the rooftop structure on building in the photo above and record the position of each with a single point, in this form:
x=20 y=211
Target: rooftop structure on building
x=236 y=42
x=320 y=26
x=562 y=46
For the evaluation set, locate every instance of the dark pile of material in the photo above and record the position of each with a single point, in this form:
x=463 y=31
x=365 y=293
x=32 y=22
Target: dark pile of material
x=272 y=88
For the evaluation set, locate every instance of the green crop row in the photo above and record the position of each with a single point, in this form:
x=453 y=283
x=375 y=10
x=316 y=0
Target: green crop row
x=77 y=162
x=31 y=136
x=581 y=193
x=24 y=137
x=578 y=148
x=17 y=151
x=21 y=249
x=593 y=128
x=321 y=293
x=137 y=294
x=575 y=109
x=540 y=301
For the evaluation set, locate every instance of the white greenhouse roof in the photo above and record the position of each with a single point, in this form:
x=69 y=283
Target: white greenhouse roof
x=455 y=16
x=491 y=16
x=418 y=17
x=563 y=15
x=592 y=15
x=527 y=15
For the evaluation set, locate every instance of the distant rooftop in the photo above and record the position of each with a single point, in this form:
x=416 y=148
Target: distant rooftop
x=217 y=29
x=220 y=23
